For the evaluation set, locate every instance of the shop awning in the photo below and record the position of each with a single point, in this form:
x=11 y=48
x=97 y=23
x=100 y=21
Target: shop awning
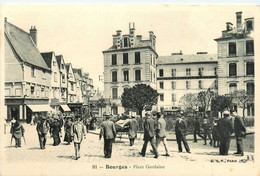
x=39 y=108
x=65 y=107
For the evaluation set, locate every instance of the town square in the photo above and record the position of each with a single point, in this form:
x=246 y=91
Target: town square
x=128 y=90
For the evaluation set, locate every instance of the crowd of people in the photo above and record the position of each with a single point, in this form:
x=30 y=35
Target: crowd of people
x=154 y=131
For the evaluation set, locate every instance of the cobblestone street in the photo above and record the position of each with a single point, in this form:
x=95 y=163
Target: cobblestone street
x=92 y=155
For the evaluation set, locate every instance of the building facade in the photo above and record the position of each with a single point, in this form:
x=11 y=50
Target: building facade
x=236 y=59
x=27 y=76
x=180 y=74
x=130 y=61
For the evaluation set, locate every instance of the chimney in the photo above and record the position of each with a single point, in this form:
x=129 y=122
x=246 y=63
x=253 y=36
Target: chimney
x=151 y=34
x=229 y=26
x=202 y=52
x=239 y=21
x=132 y=29
x=174 y=54
x=33 y=34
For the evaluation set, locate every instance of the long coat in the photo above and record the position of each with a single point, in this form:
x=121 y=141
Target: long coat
x=132 y=133
x=108 y=130
x=239 y=127
x=149 y=127
x=67 y=127
x=78 y=131
x=181 y=127
x=161 y=126
x=225 y=128
x=17 y=131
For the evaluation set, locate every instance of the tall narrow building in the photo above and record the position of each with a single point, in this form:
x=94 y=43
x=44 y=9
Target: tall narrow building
x=129 y=61
x=236 y=59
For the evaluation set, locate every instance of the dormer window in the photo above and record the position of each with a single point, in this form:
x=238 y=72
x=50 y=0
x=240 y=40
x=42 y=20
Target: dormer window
x=249 y=25
x=126 y=42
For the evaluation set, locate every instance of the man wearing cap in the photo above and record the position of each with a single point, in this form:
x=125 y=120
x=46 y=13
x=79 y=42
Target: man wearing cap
x=180 y=131
x=161 y=132
x=132 y=133
x=206 y=131
x=108 y=131
x=240 y=132
x=42 y=130
x=149 y=128
x=225 y=130
x=78 y=132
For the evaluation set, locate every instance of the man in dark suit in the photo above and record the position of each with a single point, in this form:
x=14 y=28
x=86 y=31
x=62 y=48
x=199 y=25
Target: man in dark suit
x=42 y=130
x=181 y=131
x=108 y=131
x=206 y=131
x=149 y=130
x=240 y=132
x=197 y=129
x=225 y=130
x=132 y=133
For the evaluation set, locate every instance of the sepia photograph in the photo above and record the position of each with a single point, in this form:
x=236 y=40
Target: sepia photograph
x=128 y=90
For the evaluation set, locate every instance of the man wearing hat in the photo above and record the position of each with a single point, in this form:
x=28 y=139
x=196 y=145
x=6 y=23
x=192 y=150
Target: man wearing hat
x=78 y=132
x=161 y=132
x=225 y=130
x=181 y=131
x=132 y=131
x=108 y=131
x=197 y=129
x=149 y=128
x=206 y=131
x=240 y=133
x=42 y=130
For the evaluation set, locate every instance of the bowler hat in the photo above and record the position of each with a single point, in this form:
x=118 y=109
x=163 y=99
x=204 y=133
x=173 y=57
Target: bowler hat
x=226 y=112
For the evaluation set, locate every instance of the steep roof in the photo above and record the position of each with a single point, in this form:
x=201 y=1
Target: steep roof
x=78 y=71
x=191 y=58
x=48 y=58
x=24 y=46
x=59 y=59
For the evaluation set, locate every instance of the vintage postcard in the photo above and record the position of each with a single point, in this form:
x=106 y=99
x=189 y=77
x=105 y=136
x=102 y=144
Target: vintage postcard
x=129 y=90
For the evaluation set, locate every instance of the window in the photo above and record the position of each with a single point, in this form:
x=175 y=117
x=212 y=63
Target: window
x=232 y=87
x=7 y=92
x=200 y=84
x=173 y=97
x=161 y=97
x=250 y=47
x=137 y=58
x=47 y=94
x=62 y=66
x=173 y=85
x=125 y=58
x=249 y=25
x=151 y=76
x=200 y=71
x=215 y=71
x=250 y=110
x=250 y=70
x=187 y=84
x=32 y=90
x=18 y=92
x=161 y=85
x=114 y=76
x=62 y=93
x=114 y=93
x=32 y=71
x=125 y=88
x=72 y=86
x=54 y=63
x=138 y=75
x=63 y=78
x=173 y=72
x=188 y=71
x=55 y=76
x=126 y=77
x=114 y=59
x=115 y=110
x=250 y=89
x=232 y=49
x=216 y=83
x=232 y=69
x=126 y=42
x=161 y=72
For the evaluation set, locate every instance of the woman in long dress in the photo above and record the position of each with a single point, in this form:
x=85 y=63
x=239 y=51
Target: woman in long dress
x=55 y=131
x=67 y=129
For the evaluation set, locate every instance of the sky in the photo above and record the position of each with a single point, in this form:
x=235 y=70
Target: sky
x=81 y=32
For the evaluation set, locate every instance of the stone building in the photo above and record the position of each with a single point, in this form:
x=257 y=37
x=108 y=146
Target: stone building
x=180 y=74
x=236 y=59
x=27 y=76
x=129 y=61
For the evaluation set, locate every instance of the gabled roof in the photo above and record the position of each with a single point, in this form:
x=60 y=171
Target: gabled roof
x=24 y=46
x=48 y=58
x=78 y=71
x=59 y=59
